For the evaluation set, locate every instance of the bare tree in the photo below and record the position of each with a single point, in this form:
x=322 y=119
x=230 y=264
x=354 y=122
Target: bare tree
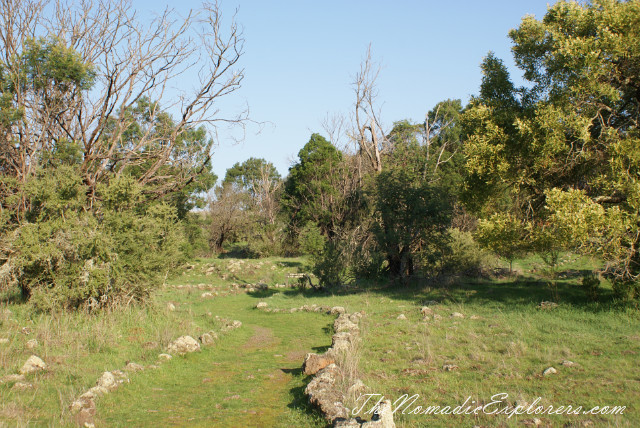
x=368 y=132
x=131 y=63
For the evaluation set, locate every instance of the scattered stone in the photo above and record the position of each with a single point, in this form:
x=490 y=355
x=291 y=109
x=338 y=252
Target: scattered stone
x=341 y=341
x=11 y=378
x=402 y=317
x=547 y=305
x=21 y=386
x=206 y=339
x=337 y=310
x=134 y=367
x=426 y=311
x=535 y=422
x=4 y=340
x=313 y=363
x=474 y=317
x=437 y=317
x=457 y=315
x=206 y=295
x=261 y=305
x=26 y=331
x=450 y=367
x=568 y=363
x=32 y=365
x=183 y=345
x=31 y=344
x=323 y=395
x=107 y=381
x=549 y=371
x=171 y=306
x=97 y=391
x=345 y=323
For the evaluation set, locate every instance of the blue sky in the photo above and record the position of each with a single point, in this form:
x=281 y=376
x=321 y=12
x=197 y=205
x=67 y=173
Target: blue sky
x=301 y=56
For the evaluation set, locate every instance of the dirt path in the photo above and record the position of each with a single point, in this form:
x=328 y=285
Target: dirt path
x=250 y=377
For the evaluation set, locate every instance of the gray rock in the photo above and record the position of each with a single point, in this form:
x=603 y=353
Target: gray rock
x=402 y=317
x=261 y=305
x=32 y=365
x=549 y=371
x=32 y=344
x=426 y=311
x=568 y=363
x=457 y=315
x=171 y=306
x=134 y=367
x=107 y=381
x=183 y=345
x=206 y=339
x=337 y=310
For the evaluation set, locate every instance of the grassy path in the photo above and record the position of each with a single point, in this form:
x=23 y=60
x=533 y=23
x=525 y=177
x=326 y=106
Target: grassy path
x=250 y=377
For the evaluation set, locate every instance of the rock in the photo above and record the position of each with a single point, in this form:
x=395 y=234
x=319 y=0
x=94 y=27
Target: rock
x=535 y=422
x=11 y=378
x=32 y=365
x=449 y=367
x=107 y=381
x=134 y=367
x=426 y=311
x=437 y=317
x=21 y=386
x=345 y=322
x=171 y=306
x=402 y=317
x=474 y=317
x=183 y=345
x=337 y=310
x=97 y=391
x=261 y=305
x=206 y=339
x=382 y=417
x=232 y=325
x=568 y=363
x=457 y=315
x=341 y=341
x=84 y=402
x=549 y=371
x=547 y=305
x=313 y=363
x=325 y=396
x=206 y=295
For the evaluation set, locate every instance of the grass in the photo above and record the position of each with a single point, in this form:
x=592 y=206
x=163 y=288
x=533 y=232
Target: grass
x=252 y=377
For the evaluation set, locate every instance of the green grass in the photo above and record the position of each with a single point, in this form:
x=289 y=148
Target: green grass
x=252 y=376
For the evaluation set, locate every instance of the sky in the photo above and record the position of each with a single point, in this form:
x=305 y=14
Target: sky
x=301 y=57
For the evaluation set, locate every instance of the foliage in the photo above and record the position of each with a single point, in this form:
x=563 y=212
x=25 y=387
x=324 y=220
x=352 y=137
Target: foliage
x=505 y=235
x=312 y=191
x=64 y=256
x=463 y=254
x=562 y=152
x=311 y=239
x=410 y=210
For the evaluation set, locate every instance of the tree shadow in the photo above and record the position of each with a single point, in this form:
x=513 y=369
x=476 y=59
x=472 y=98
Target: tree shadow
x=513 y=291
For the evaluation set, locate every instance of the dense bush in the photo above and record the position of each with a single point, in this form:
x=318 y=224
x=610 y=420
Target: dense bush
x=65 y=256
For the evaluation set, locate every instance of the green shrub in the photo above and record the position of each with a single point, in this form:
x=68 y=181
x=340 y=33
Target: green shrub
x=66 y=256
x=311 y=239
x=591 y=285
x=464 y=255
x=625 y=290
